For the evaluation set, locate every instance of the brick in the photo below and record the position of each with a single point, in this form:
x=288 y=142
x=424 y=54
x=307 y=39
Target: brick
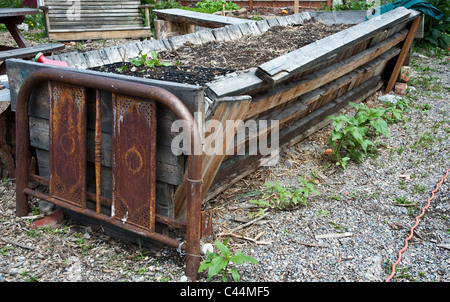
x=404 y=78
x=51 y=220
x=328 y=152
x=400 y=88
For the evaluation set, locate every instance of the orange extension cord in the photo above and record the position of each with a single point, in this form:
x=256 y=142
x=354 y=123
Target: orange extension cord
x=415 y=225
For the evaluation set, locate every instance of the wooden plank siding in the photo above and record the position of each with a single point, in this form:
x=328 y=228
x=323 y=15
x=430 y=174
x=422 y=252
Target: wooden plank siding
x=83 y=20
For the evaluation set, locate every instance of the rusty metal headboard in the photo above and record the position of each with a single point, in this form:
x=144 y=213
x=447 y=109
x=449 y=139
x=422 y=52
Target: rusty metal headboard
x=68 y=94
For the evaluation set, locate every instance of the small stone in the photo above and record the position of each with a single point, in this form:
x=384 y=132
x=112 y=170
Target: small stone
x=183 y=279
x=206 y=247
x=400 y=88
x=288 y=164
x=46 y=207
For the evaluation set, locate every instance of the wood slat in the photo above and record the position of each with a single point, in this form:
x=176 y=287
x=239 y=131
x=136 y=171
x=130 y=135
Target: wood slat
x=196 y=18
x=249 y=83
x=30 y=51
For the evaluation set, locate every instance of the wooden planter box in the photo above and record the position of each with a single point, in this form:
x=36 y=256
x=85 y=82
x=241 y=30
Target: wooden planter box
x=298 y=89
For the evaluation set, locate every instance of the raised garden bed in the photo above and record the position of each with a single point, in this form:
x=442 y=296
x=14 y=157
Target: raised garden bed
x=298 y=89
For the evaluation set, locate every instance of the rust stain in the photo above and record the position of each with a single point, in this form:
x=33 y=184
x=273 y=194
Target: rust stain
x=134 y=161
x=68 y=143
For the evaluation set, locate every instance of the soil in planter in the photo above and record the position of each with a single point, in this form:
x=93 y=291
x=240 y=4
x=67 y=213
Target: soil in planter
x=179 y=74
x=204 y=62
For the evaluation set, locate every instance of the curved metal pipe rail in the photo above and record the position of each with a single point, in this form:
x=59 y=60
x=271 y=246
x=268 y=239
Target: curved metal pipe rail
x=162 y=96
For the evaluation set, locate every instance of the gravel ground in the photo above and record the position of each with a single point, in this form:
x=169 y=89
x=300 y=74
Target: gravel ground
x=359 y=204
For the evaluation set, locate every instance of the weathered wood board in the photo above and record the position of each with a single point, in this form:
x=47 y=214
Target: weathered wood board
x=30 y=51
x=195 y=18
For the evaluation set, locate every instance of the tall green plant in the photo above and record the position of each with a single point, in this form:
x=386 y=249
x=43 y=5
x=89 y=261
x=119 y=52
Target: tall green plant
x=437 y=32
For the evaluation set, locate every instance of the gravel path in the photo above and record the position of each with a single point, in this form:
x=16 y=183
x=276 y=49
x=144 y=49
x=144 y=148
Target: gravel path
x=360 y=204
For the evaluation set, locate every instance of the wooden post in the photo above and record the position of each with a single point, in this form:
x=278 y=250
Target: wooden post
x=403 y=54
x=166 y=29
x=296 y=7
x=147 y=16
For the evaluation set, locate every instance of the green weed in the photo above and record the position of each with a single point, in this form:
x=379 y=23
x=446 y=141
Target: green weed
x=281 y=197
x=350 y=136
x=149 y=61
x=218 y=264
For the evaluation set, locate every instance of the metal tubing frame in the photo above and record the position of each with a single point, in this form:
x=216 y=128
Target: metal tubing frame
x=162 y=96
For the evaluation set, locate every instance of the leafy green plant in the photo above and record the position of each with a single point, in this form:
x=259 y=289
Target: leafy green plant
x=282 y=198
x=436 y=32
x=348 y=5
x=395 y=110
x=402 y=200
x=122 y=68
x=354 y=5
x=219 y=264
x=10 y=3
x=149 y=61
x=350 y=136
x=209 y=7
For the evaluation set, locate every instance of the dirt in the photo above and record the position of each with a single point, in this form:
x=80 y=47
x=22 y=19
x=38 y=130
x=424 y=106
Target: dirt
x=220 y=58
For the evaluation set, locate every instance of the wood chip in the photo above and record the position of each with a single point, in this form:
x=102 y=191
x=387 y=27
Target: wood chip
x=334 y=235
x=13 y=242
x=443 y=245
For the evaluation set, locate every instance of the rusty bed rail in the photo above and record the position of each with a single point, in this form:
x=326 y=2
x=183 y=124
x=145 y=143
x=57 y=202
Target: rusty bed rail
x=195 y=216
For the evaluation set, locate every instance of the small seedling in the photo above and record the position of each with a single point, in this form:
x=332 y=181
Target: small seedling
x=122 y=68
x=218 y=264
x=151 y=62
x=283 y=198
x=402 y=200
x=323 y=213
